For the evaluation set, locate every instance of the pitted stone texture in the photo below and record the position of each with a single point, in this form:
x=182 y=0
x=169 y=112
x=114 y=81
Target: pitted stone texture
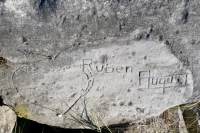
x=119 y=81
x=8 y=119
x=118 y=60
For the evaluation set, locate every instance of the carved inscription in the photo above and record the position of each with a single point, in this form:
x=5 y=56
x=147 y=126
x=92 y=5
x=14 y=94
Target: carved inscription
x=89 y=66
x=146 y=81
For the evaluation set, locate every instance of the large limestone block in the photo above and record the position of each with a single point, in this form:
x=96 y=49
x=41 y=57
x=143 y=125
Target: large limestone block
x=115 y=61
x=7 y=119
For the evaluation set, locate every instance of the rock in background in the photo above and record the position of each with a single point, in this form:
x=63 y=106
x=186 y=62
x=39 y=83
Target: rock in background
x=8 y=119
x=116 y=60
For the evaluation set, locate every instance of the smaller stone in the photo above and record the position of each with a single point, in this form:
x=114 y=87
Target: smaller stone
x=7 y=119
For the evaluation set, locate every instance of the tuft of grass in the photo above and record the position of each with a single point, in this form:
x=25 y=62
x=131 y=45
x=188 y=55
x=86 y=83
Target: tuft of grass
x=90 y=120
x=191 y=116
x=92 y=123
x=18 y=129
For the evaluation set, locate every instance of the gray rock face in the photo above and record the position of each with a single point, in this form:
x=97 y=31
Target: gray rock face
x=117 y=61
x=8 y=119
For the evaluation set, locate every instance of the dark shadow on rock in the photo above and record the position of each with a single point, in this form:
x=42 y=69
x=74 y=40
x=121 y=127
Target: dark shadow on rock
x=34 y=127
x=47 y=10
x=2 y=1
x=1 y=101
x=42 y=2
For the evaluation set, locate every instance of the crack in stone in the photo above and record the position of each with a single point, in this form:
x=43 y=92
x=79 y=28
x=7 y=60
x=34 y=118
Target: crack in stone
x=86 y=113
x=46 y=57
x=87 y=90
x=57 y=55
x=15 y=88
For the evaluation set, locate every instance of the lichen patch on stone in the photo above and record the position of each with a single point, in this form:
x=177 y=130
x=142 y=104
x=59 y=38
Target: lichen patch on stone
x=22 y=111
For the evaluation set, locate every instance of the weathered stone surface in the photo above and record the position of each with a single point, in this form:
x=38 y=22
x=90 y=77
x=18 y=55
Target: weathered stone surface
x=8 y=119
x=116 y=60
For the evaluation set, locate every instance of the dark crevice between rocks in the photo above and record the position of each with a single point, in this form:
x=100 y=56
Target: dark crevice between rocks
x=30 y=126
x=1 y=101
x=34 y=127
